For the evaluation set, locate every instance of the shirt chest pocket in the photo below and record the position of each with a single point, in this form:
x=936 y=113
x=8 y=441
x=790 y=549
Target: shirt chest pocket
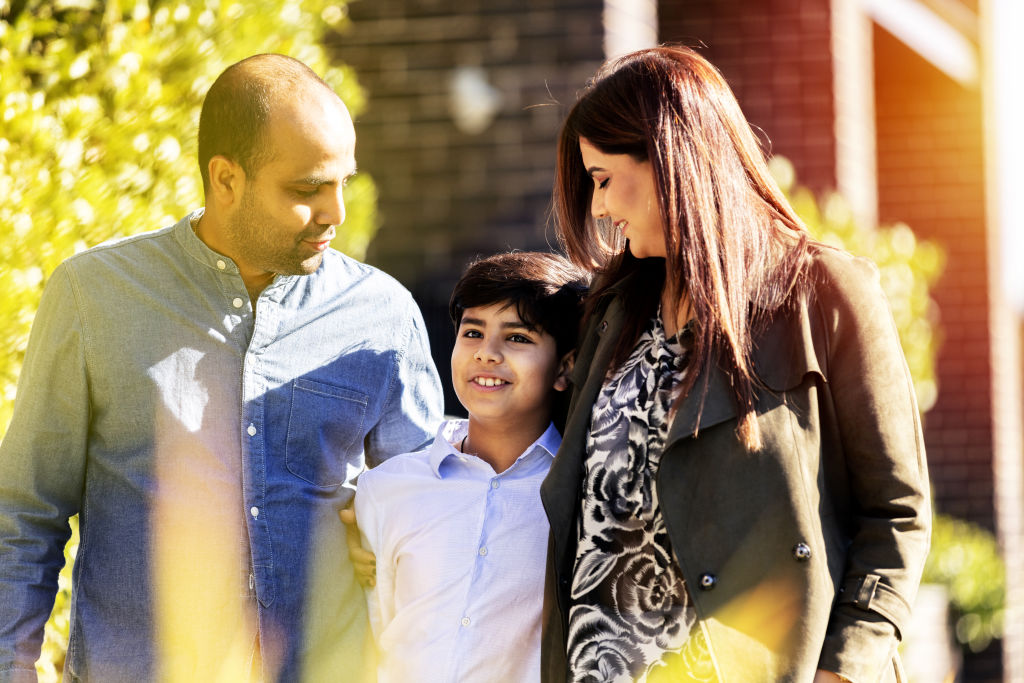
x=325 y=431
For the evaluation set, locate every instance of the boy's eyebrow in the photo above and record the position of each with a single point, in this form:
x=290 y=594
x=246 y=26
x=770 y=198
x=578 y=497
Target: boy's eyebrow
x=518 y=324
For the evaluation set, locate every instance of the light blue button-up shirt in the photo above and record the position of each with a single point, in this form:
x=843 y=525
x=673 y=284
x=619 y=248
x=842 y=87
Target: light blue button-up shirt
x=460 y=562
x=207 y=447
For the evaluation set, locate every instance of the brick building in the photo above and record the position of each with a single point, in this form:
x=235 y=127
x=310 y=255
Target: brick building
x=888 y=101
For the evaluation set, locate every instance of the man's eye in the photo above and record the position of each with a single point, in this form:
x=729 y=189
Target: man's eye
x=306 y=193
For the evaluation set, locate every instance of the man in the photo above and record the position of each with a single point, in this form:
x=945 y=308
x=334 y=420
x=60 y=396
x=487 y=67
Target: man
x=204 y=397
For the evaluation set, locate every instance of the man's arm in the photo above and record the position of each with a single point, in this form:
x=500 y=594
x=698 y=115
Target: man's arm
x=42 y=464
x=414 y=402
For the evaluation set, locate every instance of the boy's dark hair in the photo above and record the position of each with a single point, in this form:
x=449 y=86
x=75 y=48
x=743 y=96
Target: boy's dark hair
x=546 y=289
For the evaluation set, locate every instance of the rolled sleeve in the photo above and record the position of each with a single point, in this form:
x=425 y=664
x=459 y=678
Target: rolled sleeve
x=42 y=464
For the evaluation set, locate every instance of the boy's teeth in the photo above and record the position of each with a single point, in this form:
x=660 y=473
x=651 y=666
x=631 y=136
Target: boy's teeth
x=489 y=381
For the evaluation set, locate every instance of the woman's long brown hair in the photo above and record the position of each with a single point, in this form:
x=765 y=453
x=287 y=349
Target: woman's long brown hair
x=733 y=242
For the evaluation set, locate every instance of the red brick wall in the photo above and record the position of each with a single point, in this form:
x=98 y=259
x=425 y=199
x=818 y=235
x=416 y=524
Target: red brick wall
x=931 y=176
x=776 y=56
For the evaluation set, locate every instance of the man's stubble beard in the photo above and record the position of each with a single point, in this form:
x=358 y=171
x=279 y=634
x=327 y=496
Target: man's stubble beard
x=253 y=235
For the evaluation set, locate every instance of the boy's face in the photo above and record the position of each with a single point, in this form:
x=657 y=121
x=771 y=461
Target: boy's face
x=503 y=370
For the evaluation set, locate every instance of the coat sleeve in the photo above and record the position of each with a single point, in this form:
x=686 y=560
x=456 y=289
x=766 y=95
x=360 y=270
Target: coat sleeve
x=42 y=465
x=882 y=448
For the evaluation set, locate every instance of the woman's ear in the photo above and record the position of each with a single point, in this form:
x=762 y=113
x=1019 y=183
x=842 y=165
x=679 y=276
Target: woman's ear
x=564 y=369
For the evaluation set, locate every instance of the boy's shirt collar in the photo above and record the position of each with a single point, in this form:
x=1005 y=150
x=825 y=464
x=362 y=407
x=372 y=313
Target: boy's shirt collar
x=453 y=431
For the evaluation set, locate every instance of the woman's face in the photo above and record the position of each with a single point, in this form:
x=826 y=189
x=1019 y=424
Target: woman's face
x=624 y=192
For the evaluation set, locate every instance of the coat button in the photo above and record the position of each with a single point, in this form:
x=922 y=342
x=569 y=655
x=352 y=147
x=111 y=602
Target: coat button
x=708 y=581
x=603 y=326
x=802 y=552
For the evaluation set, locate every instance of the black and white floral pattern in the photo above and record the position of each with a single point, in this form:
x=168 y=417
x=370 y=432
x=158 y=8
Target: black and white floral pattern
x=631 y=617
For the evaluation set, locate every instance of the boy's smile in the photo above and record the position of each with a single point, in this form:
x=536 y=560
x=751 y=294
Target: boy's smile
x=503 y=370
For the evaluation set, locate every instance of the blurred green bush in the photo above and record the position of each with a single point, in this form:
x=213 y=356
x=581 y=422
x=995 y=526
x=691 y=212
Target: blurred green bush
x=908 y=268
x=99 y=107
x=965 y=559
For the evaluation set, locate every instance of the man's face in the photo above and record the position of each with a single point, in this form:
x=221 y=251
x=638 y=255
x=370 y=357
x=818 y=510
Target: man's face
x=292 y=204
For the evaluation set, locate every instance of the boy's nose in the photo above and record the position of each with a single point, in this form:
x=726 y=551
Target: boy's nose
x=486 y=354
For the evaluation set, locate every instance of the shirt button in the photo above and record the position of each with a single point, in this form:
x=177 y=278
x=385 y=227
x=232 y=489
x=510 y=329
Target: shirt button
x=221 y=264
x=708 y=581
x=251 y=430
x=801 y=552
x=237 y=303
x=254 y=511
x=483 y=551
x=495 y=483
x=465 y=621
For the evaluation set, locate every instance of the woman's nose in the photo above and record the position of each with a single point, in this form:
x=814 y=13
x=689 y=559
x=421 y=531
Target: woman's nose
x=597 y=206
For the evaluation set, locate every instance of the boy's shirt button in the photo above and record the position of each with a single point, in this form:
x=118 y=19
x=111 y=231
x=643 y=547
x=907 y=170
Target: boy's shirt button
x=465 y=621
x=495 y=483
x=483 y=551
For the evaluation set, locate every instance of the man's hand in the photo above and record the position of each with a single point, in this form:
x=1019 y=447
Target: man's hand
x=363 y=561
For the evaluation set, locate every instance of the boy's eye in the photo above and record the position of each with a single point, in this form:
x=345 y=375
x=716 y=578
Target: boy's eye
x=472 y=334
x=520 y=339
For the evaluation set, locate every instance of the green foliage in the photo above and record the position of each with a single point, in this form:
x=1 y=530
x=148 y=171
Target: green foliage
x=965 y=558
x=908 y=268
x=99 y=106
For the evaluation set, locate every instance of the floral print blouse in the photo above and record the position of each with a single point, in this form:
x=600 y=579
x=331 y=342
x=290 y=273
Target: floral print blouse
x=631 y=617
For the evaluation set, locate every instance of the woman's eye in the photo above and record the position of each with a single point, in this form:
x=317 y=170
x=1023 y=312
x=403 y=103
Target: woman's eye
x=603 y=183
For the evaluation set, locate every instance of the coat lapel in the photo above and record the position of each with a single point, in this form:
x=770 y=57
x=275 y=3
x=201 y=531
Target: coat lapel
x=560 y=490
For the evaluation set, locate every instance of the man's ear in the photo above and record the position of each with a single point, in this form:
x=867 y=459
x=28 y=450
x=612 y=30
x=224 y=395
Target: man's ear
x=227 y=181
x=564 y=369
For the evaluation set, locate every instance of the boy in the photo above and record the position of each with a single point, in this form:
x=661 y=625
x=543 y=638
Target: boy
x=458 y=528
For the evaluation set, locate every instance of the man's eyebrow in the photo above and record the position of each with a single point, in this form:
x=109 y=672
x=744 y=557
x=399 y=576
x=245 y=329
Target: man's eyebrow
x=318 y=180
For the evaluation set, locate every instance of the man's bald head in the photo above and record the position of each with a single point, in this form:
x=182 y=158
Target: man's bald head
x=238 y=106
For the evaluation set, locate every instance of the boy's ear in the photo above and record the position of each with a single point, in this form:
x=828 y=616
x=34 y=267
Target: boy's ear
x=564 y=369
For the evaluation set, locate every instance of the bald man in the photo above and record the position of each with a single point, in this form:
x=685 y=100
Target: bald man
x=204 y=397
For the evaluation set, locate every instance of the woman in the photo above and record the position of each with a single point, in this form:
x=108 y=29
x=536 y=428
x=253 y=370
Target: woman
x=741 y=492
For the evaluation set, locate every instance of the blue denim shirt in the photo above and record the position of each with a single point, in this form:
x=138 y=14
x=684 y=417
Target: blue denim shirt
x=207 y=447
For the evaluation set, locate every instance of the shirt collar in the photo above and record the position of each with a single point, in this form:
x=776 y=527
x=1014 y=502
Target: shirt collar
x=185 y=232
x=454 y=431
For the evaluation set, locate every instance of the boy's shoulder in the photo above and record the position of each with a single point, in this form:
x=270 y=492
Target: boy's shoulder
x=415 y=465
x=412 y=464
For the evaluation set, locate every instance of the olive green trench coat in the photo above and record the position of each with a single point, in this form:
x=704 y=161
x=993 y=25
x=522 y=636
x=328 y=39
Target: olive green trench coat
x=807 y=553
